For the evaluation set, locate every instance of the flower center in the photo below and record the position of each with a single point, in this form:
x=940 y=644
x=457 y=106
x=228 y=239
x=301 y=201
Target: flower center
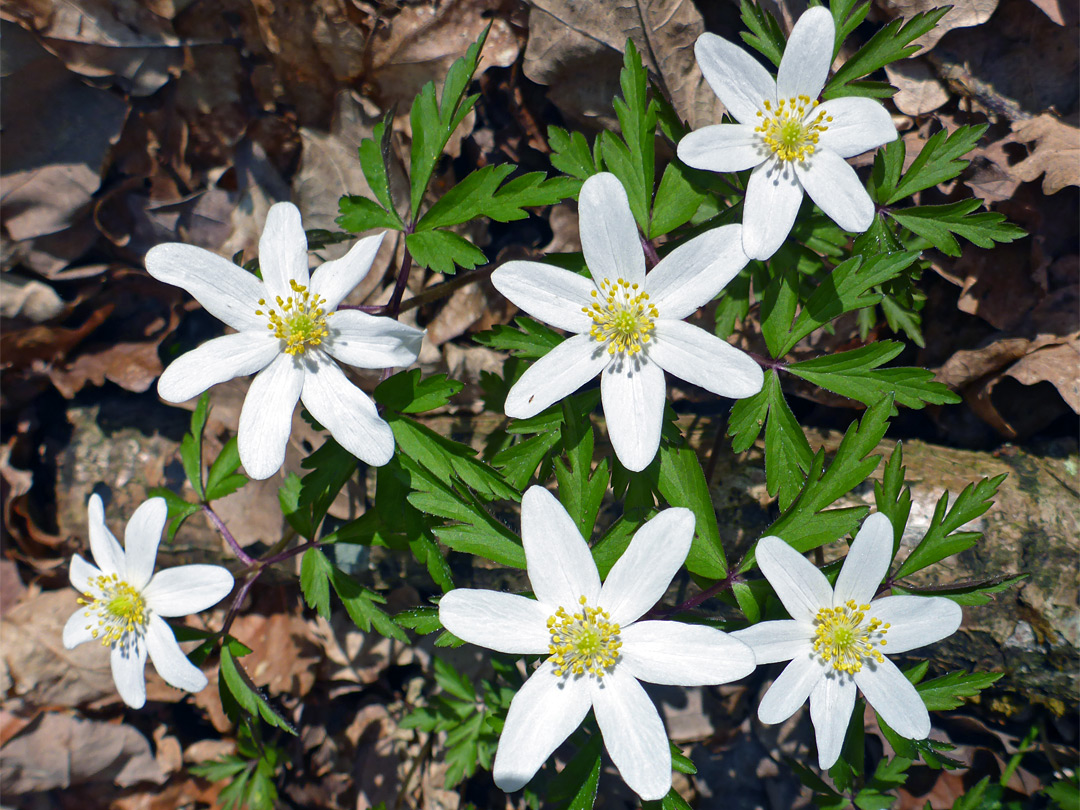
x=582 y=642
x=622 y=316
x=844 y=638
x=301 y=321
x=788 y=131
x=119 y=609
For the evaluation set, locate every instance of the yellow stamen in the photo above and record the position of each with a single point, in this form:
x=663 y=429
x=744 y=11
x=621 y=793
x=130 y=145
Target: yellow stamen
x=302 y=320
x=622 y=316
x=586 y=641
x=792 y=130
x=846 y=639
x=120 y=609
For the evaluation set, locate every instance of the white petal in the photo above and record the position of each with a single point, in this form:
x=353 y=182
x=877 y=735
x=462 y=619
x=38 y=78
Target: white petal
x=187 y=589
x=336 y=279
x=736 y=77
x=894 y=699
x=609 y=235
x=103 y=545
x=691 y=275
x=776 y=641
x=701 y=358
x=800 y=586
x=858 y=124
x=81 y=573
x=867 y=562
x=503 y=622
x=368 y=341
x=544 y=712
x=642 y=574
x=773 y=197
x=169 y=660
x=217 y=361
x=129 y=671
x=229 y=293
x=683 y=654
x=723 y=148
x=837 y=190
x=633 y=733
x=346 y=411
x=792 y=688
x=633 y=392
x=141 y=538
x=557 y=374
x=78 y=629
x=807 y=56
x=266 y=418
x=553 y=295
x=283 y=250
x=561 y=567
x=831 y=704
x=916 y=620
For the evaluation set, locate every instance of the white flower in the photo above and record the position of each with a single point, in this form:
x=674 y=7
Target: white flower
x=836 y=639
x=628 y=325
x=124 y=602
x=598 y=649
x=290 y=331
x=795 y=144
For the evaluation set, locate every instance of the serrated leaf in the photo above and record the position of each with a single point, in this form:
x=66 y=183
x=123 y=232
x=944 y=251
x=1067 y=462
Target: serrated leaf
x=676 y=201
x=942 y=538
x=570 y=153
x=973 y=593
x=444 y=251
x=191 y=446
x=531 y=339
x=484 y=194
x=519 y=461
x=765 y=35
x=890 y=44
x=246 y=694
x=362 y=605
x=315 y=572
x=374 y=157
x=856 y=375
x=682 y=483
x=581 y=490
x=406 y=392
x=361 y=214
x=179 y=510
x=946 y=693
x=937 y=161
x=223 y=478
x=423 y=620
x=937 y=224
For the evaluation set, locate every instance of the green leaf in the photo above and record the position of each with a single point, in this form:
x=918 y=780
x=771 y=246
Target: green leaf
x=483 y=194
x=682 y=483
x=847 y=15
x=676 y=201
x=937 y=224
x=531 y=339
x=444 y=251
x=223 y=478
x=943 y=538
x=246 y=695
x=893 y=497
x=779 y=302
x=519 y=461
x=946 y=693
x=423 y=620
x=1065 y=793
x=574 y=787
x=434 y=121
x=680 y=762
x=633 y=159
x=570 y=153
x=375 y=157
x=315 y=571
x=973 y=592
x=362 y=604
x=937 y=162
x=581 y=490
x=765 y=35
x=361 y=214
x=848 y=287
x=179 y=510
x=406 y=392
x=191 y=446
x=855 y=374
x=891 y=43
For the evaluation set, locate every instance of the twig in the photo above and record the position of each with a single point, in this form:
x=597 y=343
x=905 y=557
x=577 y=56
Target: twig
x=223 y=530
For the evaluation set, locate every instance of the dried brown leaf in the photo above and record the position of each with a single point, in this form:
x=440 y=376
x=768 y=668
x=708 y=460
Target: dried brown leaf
x=1056 y=152
x=1059 y=365
x=919 y=90
x=60 y=751
x=963 y=14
